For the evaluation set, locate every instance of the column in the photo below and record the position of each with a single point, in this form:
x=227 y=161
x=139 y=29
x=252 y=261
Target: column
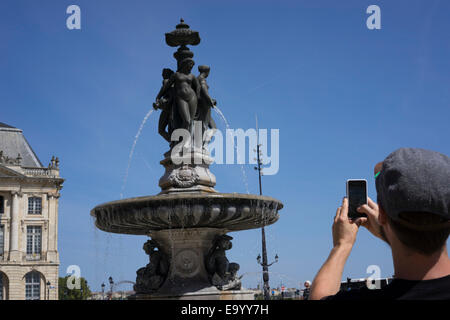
x=14 y=253
x=52 y=231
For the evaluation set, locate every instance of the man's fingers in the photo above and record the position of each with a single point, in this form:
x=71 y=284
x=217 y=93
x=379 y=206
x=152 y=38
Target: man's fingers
x=338 y=212
x=360 y=221
x=367 y=210
x=372 y=204
x=344 y=210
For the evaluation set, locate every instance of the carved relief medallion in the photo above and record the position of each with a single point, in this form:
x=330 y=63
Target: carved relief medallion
x=184 y=177
x=187 y=262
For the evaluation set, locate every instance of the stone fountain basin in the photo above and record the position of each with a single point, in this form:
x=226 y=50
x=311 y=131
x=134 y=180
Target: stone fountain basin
x=228 y=211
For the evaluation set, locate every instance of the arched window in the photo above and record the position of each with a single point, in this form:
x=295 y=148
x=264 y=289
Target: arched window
x=3 y=286
x=2 y=205
x=33 y=286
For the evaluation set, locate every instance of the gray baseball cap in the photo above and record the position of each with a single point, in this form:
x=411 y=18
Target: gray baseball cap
x=414 y=180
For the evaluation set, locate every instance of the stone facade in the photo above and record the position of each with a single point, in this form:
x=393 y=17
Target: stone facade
x=29 y=196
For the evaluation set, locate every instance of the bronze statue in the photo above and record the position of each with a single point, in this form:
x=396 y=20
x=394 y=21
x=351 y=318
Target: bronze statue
x=164 y=102
x=205 y=102
x=152 y=276
x=185 y=96
x=222 y=273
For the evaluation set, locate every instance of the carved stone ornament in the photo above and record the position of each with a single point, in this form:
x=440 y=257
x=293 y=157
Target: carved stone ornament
x=184 y=177
x=186 y=262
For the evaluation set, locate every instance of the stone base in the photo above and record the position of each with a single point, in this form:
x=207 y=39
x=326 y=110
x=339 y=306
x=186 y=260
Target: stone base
x=187 y=172
x=200 y=295
x=187 y=251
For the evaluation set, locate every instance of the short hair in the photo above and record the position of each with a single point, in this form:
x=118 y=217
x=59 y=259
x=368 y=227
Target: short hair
x=422 y=232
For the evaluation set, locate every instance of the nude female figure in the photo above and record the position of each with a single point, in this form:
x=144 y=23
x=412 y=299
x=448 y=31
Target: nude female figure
x=187 y=89
x=165 y=104
x=205 y=102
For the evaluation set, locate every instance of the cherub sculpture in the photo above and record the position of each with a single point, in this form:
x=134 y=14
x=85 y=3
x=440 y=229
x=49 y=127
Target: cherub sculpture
x=152 y=276
x=222 y=273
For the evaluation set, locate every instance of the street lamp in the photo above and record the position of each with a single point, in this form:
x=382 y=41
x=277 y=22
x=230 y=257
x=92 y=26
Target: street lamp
x=111 y=283
x=266 y=266
x=103 y=291
x=264 y=263
x=48 y=290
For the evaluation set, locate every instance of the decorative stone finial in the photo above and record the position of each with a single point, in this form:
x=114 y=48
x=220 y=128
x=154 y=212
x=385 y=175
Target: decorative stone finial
x=182 y=36
x=54 y=163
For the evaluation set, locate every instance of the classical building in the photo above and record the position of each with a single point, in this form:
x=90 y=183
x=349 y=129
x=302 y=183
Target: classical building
x=29 y=195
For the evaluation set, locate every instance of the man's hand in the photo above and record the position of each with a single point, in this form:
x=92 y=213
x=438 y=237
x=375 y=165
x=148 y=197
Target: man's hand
x=371 y=222
x=344 y=230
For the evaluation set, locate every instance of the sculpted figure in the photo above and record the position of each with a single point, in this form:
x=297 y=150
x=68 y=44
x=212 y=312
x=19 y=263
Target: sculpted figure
x=186 y=91
x=205 y=102
x=165 y=102
x=152 y=276
x=223 y=274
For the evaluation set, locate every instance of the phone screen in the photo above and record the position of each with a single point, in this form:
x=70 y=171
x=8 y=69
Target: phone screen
x=357 y=196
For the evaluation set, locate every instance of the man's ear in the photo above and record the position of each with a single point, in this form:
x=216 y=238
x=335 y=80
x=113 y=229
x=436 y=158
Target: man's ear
x=382 y=217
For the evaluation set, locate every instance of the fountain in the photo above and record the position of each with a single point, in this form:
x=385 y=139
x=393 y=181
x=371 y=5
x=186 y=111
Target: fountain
x=188 y=220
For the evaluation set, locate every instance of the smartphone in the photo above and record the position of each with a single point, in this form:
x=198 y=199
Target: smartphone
x=357 y=196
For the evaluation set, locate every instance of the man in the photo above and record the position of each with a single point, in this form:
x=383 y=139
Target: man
x=307 y=289
x=412 y=216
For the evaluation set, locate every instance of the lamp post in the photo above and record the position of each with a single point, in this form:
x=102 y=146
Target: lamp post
x=103 y=291
x=264 y=263
x=111 y=283
x=48 y=290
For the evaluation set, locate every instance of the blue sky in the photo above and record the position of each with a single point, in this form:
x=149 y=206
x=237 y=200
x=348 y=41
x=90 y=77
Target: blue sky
x=343 y=97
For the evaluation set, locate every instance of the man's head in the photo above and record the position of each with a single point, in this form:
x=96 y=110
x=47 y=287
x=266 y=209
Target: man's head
x=307 y=284
x=413 y=190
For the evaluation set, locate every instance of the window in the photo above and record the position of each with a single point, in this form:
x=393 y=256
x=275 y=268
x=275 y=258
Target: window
x=1 y=286
x=34 y=237
x=2 y=239
x=32 y=286
x=34 y=205
x=2 y=205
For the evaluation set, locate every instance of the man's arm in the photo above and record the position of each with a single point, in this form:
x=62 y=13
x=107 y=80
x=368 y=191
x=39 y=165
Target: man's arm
x=328 y=280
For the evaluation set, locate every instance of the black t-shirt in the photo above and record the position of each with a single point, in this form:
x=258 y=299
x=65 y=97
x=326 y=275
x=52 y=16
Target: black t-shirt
x=306 y=293
x=399 y=289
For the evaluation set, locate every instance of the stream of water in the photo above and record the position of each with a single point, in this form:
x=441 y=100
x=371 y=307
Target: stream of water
x=244 y=175
x=130 y=157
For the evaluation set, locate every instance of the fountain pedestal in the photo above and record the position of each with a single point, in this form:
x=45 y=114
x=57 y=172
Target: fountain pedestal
x=188 y=278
